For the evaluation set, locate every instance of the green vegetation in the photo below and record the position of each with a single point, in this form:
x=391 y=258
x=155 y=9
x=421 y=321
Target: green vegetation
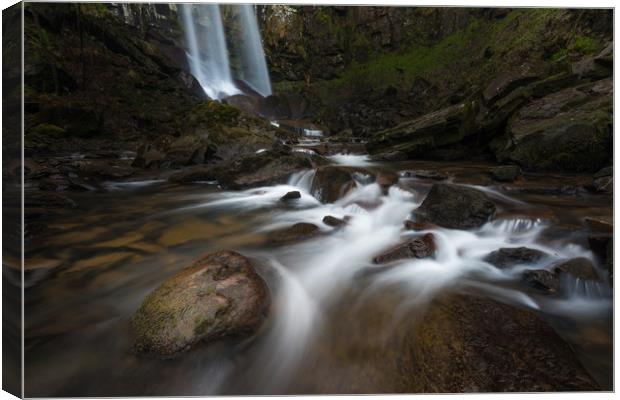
x=580 y=45
x=507 y=41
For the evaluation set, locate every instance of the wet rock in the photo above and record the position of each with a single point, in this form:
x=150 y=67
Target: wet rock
x=542 y=280
x=293 y=195
x=455 y=207
x=600 y=224
x=505 y=173
x=420 y=247
x=385 y=180
x=218 y=296
x=198 y=173
x=332 y=182
x=298 y=232
x=277 y=169
x=47 y=200
x=390 y=156
x=580 y=268
x=604 y=184
x=418 y=226
x=187 y=150
x=148 y=156
x=424 y=174
x=467 y=343
x=602 y=245
x=607 y=171
x=330 y=220
x=102 y=170
x=417 y=137
x=511 y=256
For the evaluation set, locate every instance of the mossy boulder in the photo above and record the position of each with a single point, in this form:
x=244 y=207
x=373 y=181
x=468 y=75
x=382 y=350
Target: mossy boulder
x=220 y=295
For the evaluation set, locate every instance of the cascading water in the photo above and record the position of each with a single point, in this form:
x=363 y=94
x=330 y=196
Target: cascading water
x=253 y=65
x=208 y=53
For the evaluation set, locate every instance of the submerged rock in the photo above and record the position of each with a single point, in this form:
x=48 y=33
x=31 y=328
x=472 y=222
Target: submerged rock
x=420 y=247
x=219 y=295
x=418 y=226
x=424 y=174
x=505 y=173
x=297 y=232
x=456 y=207
x=511 y=256
x=580 y=268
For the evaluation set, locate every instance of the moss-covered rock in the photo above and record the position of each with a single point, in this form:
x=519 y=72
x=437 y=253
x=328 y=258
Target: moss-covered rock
x=218 y=296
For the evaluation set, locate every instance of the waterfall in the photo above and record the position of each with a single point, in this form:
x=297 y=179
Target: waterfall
x=208 y=54
x=253 y=65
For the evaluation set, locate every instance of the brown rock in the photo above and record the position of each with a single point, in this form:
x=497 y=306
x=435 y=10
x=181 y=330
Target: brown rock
x=509 y=257
x=297 y=232
x=456 y=207
x=293 y=195
x=420 y=247
x=219 y=295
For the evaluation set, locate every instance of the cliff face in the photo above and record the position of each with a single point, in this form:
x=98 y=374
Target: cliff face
x=369 y=68
x=118 y=73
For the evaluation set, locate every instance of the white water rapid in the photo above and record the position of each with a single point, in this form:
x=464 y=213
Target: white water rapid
x=315 y=273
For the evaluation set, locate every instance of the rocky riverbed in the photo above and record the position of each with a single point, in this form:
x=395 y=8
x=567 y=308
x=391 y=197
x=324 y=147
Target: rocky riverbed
x=377 y=276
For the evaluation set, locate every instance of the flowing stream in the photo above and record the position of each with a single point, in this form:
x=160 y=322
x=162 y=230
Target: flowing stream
x=113 y=252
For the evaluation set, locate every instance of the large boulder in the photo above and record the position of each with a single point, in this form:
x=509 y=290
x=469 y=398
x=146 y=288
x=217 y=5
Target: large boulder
x=510 y=256
x=569 y=130
x=456 y=207
x=219 y=295
x=471 y=344
x=331 y=182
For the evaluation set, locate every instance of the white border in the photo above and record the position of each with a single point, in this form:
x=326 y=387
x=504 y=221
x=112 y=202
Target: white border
x=457 y=3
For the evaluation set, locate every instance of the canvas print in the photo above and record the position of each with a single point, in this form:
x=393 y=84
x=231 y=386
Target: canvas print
x=244 y=199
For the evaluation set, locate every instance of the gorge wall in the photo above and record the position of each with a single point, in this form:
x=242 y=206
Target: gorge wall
x=360 y=71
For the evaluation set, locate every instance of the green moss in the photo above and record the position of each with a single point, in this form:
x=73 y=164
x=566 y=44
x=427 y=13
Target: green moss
x=212 y=113
x=579 y=46
x=48 y=130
